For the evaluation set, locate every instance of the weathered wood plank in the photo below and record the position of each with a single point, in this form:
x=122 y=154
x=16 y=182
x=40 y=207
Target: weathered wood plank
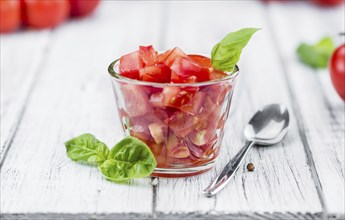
x=73 y=95
x=20 y=63
x=321 y=111
x=282 y=182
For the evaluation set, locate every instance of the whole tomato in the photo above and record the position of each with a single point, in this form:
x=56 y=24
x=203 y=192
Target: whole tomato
x=328 y=2
x=45 y=13
x=81 y=8
x=9 y=15
x=337 y=69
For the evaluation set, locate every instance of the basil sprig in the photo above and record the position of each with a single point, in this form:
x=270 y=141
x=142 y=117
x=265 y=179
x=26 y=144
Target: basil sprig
x=227 y=52
x=317 y=55
x=129 y=158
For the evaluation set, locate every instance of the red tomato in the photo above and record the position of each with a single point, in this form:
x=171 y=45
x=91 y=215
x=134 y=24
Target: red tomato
x=328 y=2
x=173 y=55
x=162 y=56
x=45 y=13
x=337 y=69
x=158 y=73
x=9 y=15
x=216 y=74
x=80 y=8
x=130 y=65
x=182 y=68
x=175 y=97
x=148 y=55
x=194 y=105
x=201 y=60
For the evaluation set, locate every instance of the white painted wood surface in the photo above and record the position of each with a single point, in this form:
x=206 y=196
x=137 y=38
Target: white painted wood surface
x=66 y=92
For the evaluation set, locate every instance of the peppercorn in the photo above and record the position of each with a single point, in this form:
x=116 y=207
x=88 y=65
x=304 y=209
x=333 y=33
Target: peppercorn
x=250 y=167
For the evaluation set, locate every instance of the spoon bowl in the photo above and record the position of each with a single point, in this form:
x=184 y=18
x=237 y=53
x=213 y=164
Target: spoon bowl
x=269 y=125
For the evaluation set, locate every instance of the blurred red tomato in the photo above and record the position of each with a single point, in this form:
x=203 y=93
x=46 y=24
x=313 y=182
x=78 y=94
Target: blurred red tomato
x=9 y=15
x=328 y=2
x=45 y=13
x=337 y=69
x=81 y=8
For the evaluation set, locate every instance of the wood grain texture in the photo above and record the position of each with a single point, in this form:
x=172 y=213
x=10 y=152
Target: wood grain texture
x=20 y=64
x=321 y=112
x=72 y=96
x=281 y=182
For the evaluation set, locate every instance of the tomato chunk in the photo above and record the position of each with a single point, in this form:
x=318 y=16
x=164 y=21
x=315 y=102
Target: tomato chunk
x=148 y=55
x=173 y=55
x=158 y=73
x=201 y=60
x=183 y=68
x=130 y=65
x=162 y=56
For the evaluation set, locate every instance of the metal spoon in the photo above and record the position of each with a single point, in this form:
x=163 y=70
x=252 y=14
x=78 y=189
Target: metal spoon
x=267 y=127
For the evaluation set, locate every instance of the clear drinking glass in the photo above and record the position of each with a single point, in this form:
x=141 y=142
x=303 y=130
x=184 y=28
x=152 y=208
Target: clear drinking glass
x=183 y=124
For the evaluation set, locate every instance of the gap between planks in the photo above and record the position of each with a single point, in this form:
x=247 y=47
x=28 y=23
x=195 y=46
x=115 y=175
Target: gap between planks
x=300 y=124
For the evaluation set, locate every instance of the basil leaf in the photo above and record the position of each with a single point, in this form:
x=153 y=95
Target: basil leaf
x=86 y=148
x=227 y=52
x=316 y=56
x=130 y=158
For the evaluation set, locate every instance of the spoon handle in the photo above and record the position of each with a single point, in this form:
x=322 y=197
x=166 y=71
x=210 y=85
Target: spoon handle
x=229 y=170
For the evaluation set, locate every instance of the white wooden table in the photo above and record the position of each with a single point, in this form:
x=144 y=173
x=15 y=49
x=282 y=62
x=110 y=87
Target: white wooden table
x=54 y=86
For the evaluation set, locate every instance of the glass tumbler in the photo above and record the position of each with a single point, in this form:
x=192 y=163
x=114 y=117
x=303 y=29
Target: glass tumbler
x=183 y=124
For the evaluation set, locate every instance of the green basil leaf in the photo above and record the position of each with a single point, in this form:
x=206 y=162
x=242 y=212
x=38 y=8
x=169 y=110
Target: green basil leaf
x=86 y=148
x=227 y=52
x=130 y=158
x=318 y=55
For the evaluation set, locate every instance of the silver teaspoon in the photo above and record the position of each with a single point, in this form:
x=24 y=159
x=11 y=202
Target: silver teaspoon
x=268 y=126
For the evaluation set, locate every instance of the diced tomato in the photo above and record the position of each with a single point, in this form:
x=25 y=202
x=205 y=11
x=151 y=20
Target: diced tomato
x=201 y=60
x=195 y=104
x=175 y=97
x=136 y=100
x=182 y=68
x=156 y=100
x=173 y=55
x=157 y=73
x=216 y=74
x=162 y=56
x=181 y=123
x=130 y=65
x=148 y=55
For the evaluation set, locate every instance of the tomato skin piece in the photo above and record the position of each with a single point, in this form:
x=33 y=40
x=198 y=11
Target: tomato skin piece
x=148 y=55
x=183 y=68
x=173 y=55
x=159 y=73
x=9 y=15
x=130 y=65
x=162 y=56
x=337 y=70
x=45 y=13
x=201 y=60
x=82 y=8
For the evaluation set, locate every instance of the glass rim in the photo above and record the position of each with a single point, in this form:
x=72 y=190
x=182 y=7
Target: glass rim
x=118 y=77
